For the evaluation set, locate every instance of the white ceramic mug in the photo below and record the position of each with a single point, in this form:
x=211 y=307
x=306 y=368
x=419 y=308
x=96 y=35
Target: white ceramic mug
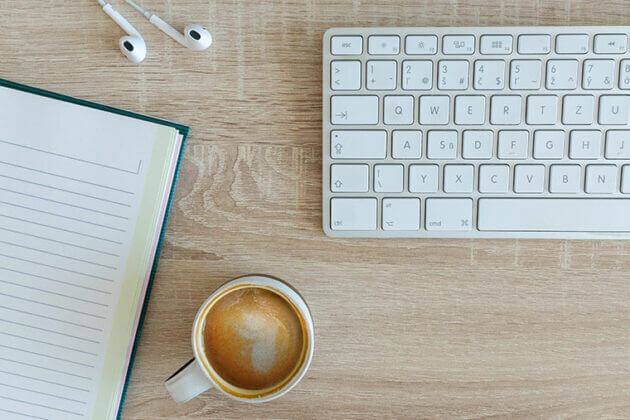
x=198 y=375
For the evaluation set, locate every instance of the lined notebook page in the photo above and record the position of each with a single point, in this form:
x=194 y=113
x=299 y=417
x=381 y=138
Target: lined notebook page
x=71 y=185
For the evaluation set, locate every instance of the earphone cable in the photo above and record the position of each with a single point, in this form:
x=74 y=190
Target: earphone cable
x=138 y=8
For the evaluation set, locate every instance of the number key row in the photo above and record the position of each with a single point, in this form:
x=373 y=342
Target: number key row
x=597 y=74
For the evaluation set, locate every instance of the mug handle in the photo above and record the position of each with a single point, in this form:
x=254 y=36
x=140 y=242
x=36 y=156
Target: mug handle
x=188 y=382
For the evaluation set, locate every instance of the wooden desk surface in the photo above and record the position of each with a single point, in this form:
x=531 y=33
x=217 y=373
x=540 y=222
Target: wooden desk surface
x=414 y=328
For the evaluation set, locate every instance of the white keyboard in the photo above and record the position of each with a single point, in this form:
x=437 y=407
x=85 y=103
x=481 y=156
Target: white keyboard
x=519 y=132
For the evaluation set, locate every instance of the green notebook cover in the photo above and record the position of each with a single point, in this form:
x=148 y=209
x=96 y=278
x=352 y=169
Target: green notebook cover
x=184 y=131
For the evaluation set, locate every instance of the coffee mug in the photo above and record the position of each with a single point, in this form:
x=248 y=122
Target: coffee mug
x=252 y=340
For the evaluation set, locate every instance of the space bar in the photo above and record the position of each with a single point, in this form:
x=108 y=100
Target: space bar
x=554 y=214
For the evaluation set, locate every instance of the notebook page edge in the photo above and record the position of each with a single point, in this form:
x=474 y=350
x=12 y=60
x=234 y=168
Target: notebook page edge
x=130 y=302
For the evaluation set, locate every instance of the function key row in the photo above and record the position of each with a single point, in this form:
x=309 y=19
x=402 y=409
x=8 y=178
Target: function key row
x=488 y=44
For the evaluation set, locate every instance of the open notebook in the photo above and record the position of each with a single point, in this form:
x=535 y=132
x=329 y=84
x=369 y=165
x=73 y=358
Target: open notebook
x=84 y=194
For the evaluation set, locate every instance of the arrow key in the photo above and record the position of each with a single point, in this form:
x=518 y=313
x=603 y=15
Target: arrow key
x=349 y=178
x=345 y=75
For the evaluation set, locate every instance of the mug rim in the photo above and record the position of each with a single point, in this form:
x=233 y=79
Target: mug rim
x=287 y=292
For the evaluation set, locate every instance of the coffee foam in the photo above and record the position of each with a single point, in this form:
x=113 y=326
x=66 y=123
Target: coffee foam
x=253 y=338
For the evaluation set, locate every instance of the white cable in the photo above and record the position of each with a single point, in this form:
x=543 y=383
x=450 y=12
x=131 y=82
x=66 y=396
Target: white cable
x=101 y=2
x=139 y=9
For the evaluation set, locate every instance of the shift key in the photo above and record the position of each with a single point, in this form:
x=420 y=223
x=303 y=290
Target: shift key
x=354 y=109
x=358 y=144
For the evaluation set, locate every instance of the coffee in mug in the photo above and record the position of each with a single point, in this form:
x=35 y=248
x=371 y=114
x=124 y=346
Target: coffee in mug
x=252 y=339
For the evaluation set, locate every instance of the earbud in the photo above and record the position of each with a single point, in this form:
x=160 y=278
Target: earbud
x=195 y=37
x=132 y=46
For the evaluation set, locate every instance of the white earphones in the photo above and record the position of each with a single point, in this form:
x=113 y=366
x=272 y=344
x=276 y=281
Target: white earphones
x=132 y=46
x=195 y=37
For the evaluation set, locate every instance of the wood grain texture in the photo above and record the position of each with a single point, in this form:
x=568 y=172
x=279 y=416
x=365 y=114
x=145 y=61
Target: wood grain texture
x=404 y=328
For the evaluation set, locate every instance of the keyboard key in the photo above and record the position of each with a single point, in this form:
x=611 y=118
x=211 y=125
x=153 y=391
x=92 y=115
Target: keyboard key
x=611 y=43
x=358 y=144
x=494 y=179
x=470 y=110
x=565 y=179
x=421 y=44
x=578 y=109
x=525 y=74
x=453 y=75
x=477 y=144
x=496 y=44
x=449 y=214
x=353 y=213
x=345 y=75
x=388 y=178
x=401 y=214
x=458 y=178
x=614 y=109
x=529 y=179
x=458 y=44
x=562 y=74
x=384 y=45
x=406 y=144
x=542 y=109
x=505 y=110
x=348 y=110
x=398 y=110
x=346 y=45
x=601 y=179
x=618 y=144
x=625 y=180
x=417 y=75
x=534 y=44
x=442 y=144
x=489 y=75
x=548 y=144
x=349 y=178
x=381 y=75
x=553 y=215
x=598 y=74
x=434 y=110
x=513 y=144
x=624 y=74
x=585 y=144
x=423 y=178
x=572 y=44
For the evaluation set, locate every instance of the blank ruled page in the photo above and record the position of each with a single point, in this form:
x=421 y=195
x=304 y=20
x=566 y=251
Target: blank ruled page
x=71 y=187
